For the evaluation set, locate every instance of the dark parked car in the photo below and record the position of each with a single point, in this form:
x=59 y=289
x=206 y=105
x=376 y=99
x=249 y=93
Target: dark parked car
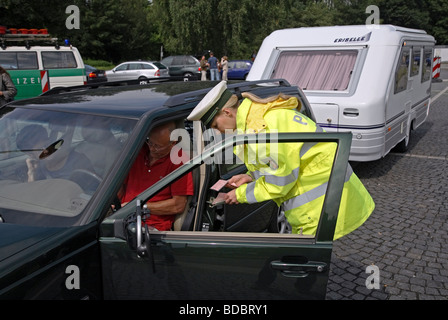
x=239 y=69
x=94 y=75
x=61 y=239
x=183 y=66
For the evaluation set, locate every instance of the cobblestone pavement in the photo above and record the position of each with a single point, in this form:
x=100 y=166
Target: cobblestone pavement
x=406 y=236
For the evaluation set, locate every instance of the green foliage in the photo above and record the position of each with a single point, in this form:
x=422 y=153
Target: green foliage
x=119 y=30
x=99 y=64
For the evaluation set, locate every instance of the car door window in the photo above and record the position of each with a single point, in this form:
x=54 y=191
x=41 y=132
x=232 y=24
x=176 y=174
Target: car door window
x=147 y=66
x=178 y=61
x=241 y=65
x=122 y=67
x=262 y=217
x=135 y=66
x=190 y=61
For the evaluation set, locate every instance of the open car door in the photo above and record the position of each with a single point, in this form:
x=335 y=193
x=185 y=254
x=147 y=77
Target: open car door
x=228 y=262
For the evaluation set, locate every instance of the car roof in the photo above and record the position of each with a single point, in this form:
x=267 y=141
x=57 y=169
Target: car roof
x=137 y=61
x=130 y=99
x=119 y=100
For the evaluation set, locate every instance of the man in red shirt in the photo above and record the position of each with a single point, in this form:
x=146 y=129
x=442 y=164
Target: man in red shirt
x=152 y=164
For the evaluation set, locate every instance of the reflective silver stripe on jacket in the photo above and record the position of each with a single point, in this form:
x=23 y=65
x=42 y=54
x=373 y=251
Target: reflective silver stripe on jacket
x=312 y=194
x=271 y=179
x=250 y=193
x=282 y=181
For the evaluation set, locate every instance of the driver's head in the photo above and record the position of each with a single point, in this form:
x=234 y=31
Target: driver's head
x=32 y=139
x=159 y=141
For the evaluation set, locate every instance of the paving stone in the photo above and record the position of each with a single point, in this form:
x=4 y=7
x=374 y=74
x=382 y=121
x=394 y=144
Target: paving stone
x=406 y=236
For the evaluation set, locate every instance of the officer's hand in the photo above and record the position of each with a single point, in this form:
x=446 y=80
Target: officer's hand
x=231 y=197
x=238 y=180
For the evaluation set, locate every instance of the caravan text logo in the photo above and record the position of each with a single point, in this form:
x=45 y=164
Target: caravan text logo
x=363 y=38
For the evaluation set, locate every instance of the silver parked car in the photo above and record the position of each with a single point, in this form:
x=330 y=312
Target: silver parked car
x=137 y=70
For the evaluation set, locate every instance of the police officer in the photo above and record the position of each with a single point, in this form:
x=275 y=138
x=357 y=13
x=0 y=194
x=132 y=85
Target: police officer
x=302 y=170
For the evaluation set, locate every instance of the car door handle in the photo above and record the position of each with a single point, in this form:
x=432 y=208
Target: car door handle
x=298 y=270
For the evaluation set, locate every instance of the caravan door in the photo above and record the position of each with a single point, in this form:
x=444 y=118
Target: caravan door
x=328 y=116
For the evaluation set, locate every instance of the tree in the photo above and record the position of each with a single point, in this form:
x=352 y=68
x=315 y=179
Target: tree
x=117 y=30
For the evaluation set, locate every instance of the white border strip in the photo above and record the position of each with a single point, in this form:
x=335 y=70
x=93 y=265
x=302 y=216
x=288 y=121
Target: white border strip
x=439 y=94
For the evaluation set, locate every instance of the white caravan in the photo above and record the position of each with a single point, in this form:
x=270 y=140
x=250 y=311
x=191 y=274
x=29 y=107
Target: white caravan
x=374 y=81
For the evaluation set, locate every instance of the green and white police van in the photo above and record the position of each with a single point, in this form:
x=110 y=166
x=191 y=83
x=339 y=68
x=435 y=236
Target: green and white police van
x=37 y=69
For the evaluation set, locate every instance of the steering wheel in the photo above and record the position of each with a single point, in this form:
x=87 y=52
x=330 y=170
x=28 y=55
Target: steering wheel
x=86 y=179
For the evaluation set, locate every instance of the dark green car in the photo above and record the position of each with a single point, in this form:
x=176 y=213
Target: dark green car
x=66 y=236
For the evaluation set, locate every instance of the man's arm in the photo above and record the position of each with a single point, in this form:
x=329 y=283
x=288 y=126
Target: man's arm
x=174 y=205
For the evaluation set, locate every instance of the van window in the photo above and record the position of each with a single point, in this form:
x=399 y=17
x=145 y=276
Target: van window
x=316 y=70
x=58 y=60
x=19 y=60
x=427 y=62
x=416 y=56
x=401 y=75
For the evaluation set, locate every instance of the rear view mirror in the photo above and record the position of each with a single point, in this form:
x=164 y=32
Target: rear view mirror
x=52 y=148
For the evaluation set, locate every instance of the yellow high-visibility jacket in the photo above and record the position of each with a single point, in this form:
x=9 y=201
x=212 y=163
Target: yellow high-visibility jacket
x=295 y=175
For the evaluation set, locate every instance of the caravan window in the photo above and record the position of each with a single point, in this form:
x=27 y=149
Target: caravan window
x=427 y=70
x=317 y=69
x=416 y=57
x=401 y=75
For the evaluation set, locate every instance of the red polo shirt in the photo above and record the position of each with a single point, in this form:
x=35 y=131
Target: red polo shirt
x=142 y=176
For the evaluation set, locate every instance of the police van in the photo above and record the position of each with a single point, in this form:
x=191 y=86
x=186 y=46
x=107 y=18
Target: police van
x=374 y=81
x=36 y=66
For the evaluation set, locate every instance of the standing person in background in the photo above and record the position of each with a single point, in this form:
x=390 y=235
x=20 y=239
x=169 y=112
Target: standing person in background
x=213 y=64
x=225 y=67
x=204 y=66
x=253 y=56
x=7 y=89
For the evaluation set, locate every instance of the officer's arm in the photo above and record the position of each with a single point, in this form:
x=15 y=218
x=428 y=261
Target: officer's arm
x=276 y=182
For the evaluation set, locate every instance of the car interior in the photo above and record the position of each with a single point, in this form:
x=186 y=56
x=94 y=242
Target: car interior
x=202 y=214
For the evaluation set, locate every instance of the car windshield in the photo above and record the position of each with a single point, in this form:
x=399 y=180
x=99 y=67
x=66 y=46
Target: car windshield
x=51 y=163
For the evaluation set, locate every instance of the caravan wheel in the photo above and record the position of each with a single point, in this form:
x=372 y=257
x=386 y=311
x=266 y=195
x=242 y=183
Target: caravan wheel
x=403 y=145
